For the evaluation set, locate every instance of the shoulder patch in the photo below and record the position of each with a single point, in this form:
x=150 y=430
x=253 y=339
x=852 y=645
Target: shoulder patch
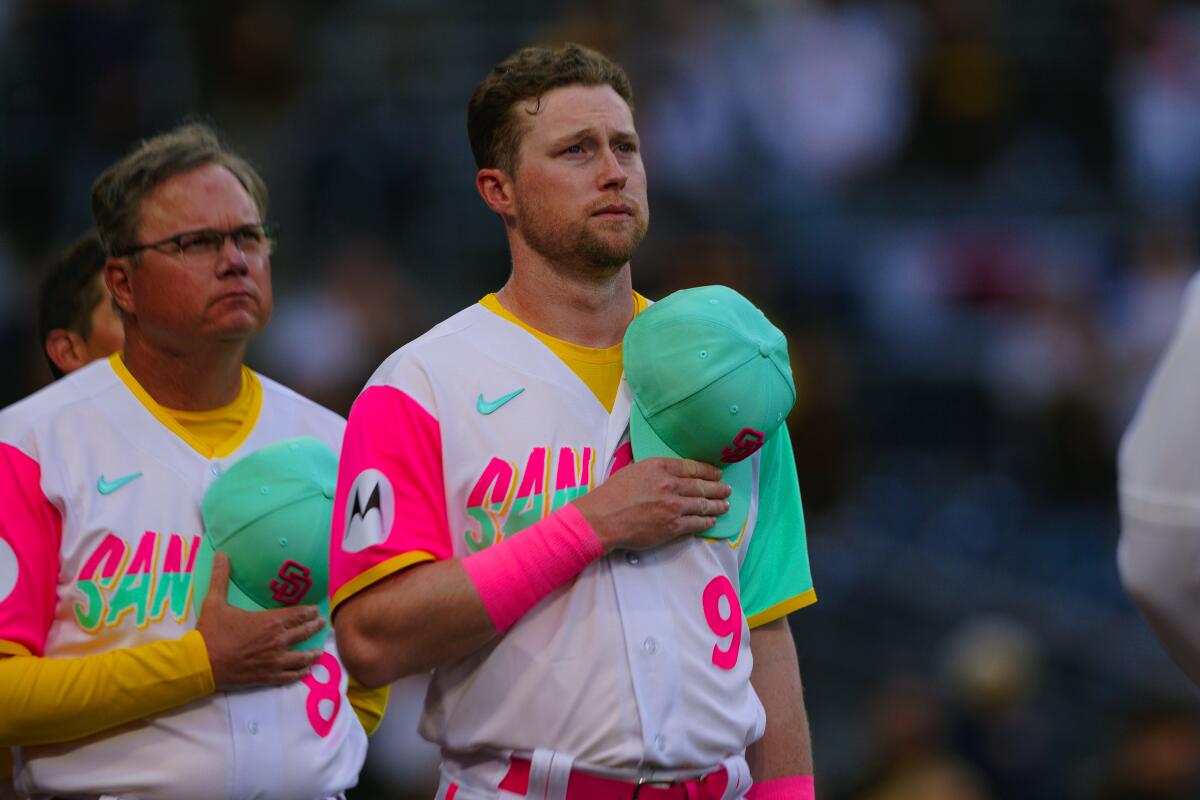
x=8 y=570
x=370 y=511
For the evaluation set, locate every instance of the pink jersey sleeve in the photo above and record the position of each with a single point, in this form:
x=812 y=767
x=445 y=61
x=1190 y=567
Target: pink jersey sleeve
x=389 y=511
x=30 y=537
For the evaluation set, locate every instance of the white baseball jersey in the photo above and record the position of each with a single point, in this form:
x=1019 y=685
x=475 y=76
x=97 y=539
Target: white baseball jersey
x=1159 y=490
x=477 y=430
x=99 y=526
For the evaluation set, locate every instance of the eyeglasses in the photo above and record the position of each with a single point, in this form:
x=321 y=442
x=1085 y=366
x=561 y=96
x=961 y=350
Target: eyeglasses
x=203 y=246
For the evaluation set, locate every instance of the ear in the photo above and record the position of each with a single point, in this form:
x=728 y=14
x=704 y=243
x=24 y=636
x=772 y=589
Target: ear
x=118 y=277
x=496 y=188
x=66 y=349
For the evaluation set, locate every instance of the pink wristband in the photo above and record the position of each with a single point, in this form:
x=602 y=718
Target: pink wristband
x=513 y=575
x=795 y=787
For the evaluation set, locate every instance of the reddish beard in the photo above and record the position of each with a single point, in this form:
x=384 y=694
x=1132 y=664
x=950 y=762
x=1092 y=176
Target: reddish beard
x=580 y=245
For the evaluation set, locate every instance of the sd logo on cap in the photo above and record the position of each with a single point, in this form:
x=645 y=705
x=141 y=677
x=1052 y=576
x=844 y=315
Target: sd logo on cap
x=271 y=514
x=711 y=381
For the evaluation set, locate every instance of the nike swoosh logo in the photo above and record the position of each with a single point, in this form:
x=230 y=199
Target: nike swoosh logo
x=108 y=487
x=486 y=407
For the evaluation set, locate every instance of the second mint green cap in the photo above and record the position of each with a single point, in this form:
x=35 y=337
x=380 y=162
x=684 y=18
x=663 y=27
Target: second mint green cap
x=711 y=381
x=271 y=514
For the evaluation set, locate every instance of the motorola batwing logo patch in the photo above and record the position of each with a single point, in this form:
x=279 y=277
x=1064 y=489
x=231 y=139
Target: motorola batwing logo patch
x=370 y=511
x=8 y=570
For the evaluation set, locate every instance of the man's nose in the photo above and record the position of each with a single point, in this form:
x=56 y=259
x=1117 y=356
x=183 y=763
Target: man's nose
x=612 y=174
x=232 y=256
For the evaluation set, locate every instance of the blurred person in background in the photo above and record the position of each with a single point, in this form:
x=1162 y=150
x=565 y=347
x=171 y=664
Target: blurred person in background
x=1156 y=758
x=77 y=321
x=993 y=666
x=112 y=684
x=911 y=759
x=965 y=93
x=825 y=90
x=1155 y=92
x=328 y=335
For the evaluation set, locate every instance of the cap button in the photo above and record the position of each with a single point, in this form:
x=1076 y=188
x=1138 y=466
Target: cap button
x=327 y=490
x=763 y=350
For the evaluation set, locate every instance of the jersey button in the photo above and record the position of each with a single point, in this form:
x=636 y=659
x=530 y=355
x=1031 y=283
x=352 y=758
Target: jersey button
x=252 y=726
x=650 y=646
x=632 y=557
x=660 y=742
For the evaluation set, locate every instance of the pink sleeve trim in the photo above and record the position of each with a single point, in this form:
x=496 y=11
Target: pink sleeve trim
x=391 y=464
x=795 y=787
x=30 y=537
x=515 y=574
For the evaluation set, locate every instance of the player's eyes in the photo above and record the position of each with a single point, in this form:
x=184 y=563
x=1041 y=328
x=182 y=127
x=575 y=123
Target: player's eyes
x=200 y=243
x=250 y=237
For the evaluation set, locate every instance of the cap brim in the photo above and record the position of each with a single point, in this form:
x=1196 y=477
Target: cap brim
x=647 y=444
x=202 y=575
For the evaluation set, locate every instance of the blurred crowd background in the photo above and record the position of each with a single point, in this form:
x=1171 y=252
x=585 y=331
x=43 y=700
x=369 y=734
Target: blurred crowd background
x=974 y=218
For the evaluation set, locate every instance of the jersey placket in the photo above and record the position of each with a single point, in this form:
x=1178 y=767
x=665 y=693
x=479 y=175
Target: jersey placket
x=651 y=648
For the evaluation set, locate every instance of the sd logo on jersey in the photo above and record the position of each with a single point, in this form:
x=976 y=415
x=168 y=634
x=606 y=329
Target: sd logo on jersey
x=370 y=511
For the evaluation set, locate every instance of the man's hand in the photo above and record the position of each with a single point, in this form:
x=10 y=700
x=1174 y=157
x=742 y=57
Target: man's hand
x=654 y=501
x=251 y=648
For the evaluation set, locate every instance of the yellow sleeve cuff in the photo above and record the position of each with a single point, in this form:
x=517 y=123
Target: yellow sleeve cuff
x=782 y=609
x=376 y=574
x=198 y=664
x=369 y=704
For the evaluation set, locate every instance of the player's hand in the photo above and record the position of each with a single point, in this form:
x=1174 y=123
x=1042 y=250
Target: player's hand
x=252 y=648
x=654 y=501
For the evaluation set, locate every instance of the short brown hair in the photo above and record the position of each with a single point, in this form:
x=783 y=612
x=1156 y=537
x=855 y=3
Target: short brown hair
x=118 y=193
x=70 y=291
x=495 y=131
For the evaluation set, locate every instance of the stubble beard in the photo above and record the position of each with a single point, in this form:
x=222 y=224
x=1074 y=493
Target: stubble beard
x=578 y=251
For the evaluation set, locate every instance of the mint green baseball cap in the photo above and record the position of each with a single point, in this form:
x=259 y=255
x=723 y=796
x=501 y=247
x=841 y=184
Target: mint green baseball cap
x=271 y=514
x=711 y=381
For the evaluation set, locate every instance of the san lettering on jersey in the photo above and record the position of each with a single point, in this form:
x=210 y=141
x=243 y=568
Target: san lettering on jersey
x=146 y=583
x=506 y=499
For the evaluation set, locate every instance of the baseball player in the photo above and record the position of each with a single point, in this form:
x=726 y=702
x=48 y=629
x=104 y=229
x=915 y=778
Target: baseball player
x=1159 y=488
x=490 y=526
x=76 y=318
x=113 y=683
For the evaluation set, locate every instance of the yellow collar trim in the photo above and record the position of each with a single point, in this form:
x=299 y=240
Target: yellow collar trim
x=566 y=350
x=250 y=384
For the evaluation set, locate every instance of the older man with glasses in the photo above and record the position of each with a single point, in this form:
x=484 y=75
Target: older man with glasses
x=113 y=685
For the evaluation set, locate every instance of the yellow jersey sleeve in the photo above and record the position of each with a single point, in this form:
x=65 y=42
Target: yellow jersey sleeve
x=49 y=700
